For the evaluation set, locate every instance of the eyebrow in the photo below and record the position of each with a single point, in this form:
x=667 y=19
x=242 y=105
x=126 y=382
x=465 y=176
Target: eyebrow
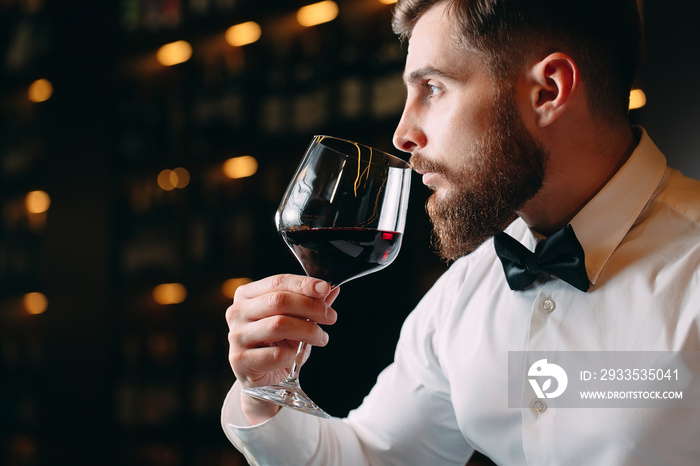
x=419 y=74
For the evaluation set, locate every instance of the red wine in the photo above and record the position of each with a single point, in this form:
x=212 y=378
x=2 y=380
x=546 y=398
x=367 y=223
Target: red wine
x=340 y=254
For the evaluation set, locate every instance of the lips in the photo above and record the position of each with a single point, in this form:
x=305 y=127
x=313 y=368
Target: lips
x=427 y=177
x=424 y=168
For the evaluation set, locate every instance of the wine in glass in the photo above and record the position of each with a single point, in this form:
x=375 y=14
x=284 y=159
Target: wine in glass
x=342 y=216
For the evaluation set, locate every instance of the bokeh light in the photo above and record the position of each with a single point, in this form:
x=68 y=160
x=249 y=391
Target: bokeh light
x=240 y=167
x=243 y=34
x=40 y=90
x=637 y=99
x=174 y=53
x=231 y=285
x=169 y=293
x=35 y=303
x=37 y=202
x=317 y=13
x=176 y=178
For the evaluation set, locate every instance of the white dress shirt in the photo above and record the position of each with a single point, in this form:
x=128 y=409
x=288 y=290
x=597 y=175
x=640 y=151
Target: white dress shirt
x=446 y=392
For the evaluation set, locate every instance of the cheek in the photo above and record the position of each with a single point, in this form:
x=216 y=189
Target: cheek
x=476 y=118
x=458 y=139
x=468 y=120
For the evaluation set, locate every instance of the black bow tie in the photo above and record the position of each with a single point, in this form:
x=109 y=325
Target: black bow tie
x=560 y=255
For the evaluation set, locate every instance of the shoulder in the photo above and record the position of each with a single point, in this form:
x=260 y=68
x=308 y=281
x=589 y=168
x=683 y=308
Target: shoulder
x=681 y=194
x=664 y=243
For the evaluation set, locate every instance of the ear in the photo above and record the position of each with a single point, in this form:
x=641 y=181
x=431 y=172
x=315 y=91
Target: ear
x=553 y=82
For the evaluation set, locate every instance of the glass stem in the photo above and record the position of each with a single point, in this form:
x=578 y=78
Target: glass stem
x=293 y=376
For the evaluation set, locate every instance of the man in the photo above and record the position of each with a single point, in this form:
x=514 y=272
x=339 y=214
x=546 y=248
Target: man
x=516 y=117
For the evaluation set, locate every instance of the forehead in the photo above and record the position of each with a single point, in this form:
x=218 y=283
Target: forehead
x=434 y=44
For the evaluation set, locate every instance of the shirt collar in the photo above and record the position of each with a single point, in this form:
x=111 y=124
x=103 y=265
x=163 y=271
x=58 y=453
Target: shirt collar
x=602 y=223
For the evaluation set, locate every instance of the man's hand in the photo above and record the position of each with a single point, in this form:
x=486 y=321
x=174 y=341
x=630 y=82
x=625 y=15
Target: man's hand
x=266 y=321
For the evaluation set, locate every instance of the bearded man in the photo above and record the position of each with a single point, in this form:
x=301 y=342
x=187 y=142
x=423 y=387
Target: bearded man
x=516 y=118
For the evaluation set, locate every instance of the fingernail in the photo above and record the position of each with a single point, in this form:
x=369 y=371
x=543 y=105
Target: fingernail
x=324 y=338
x=321 y=288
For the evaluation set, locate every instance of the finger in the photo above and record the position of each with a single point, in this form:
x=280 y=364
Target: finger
x=259 y=362
x=255 y=363
x=281 y=303
x=279 y=329
x=307 y=286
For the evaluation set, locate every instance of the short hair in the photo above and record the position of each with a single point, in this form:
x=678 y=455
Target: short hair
x=603 y=37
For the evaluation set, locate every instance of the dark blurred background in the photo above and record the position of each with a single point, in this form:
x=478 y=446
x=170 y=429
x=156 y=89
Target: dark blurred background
x=136 y=196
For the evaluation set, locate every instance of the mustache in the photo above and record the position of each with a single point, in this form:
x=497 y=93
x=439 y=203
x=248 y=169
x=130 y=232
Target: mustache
x=420 y=163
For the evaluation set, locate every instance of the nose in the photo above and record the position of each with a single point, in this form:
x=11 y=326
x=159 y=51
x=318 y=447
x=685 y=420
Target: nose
x=408 y=135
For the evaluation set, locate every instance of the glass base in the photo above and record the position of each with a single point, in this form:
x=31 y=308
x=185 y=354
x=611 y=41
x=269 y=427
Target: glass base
x=287 y=394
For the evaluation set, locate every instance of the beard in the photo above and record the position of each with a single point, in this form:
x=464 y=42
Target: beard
x=501 y=172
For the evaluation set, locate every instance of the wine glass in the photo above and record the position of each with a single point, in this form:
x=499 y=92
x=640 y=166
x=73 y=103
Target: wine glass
x=342 y=216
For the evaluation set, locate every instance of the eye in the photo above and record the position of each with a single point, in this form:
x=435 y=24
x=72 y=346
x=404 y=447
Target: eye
x=433 y=90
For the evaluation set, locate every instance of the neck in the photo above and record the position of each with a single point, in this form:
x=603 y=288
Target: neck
x=576 y=171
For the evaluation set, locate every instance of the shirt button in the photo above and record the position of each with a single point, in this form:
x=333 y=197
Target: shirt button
x=540 y=406
x=548 y=305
